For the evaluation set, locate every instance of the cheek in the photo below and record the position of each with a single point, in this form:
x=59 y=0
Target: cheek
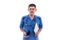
x=31 y=10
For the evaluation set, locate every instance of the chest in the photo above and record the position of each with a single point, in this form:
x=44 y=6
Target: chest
x=29 y=24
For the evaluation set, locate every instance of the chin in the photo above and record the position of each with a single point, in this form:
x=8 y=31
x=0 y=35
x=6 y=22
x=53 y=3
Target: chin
x=32 y=13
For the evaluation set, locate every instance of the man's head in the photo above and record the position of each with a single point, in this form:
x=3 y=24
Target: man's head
x=32 y=9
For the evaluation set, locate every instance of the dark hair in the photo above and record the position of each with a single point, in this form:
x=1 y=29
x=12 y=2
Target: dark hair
x=32 y=5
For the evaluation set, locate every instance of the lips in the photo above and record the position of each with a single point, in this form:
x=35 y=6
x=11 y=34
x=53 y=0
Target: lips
x=31 y=11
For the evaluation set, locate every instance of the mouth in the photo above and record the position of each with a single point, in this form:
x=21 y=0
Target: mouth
x=31 y=11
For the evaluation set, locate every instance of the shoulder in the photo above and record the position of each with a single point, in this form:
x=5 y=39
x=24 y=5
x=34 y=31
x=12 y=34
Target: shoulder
x=38 y=17
x=24 y=17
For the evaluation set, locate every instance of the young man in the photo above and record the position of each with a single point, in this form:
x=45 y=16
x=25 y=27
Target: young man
x=28 y=23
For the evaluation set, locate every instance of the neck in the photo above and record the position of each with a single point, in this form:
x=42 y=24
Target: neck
x=31 y=16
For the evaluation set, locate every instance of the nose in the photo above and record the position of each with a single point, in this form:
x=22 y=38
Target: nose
x=32 y=10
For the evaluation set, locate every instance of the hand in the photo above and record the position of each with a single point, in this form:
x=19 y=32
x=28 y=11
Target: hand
x=25 y=35
x=36 y=34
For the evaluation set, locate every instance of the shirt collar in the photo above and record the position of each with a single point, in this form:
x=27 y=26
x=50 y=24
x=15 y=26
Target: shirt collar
x=30 y=18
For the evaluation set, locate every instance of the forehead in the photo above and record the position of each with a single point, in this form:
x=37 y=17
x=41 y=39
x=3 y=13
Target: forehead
x=32 y=7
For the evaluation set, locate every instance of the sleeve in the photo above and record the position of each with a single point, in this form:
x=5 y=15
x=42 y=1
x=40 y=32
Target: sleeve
x=39 y=22
x=22 y=23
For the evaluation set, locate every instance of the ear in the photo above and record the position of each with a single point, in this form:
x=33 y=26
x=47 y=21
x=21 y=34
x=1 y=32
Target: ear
x=36 y=10
x=28 y=9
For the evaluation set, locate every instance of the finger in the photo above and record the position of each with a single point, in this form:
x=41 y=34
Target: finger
x=26 y=36
x=36 y=35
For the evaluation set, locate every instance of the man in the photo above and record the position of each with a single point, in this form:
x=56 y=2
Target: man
x=28 y=23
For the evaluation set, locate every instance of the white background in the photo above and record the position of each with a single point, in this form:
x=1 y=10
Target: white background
x=11 y=12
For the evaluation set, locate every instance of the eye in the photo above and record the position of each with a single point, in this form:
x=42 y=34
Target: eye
x=32 y=9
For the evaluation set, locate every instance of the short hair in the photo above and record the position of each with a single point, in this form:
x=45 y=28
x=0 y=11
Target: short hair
x=32 y=5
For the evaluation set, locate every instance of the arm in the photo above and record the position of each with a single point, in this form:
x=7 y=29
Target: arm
x=40 y=26
x=23 y=31
x=37 y=33
x=21 y=25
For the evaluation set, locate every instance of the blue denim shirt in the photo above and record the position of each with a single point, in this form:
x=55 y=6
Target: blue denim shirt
x=28 y=25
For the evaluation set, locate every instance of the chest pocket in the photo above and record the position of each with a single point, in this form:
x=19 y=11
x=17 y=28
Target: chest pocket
x=26 y=23
x=29 y=24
